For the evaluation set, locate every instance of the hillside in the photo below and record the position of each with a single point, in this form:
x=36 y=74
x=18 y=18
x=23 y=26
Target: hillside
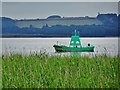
x=104 y=25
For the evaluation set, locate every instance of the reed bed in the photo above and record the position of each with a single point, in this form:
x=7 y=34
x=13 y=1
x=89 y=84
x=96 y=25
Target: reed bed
x=43 y=71
x=0 y=72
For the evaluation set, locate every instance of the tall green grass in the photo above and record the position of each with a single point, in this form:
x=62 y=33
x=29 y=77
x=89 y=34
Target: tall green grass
x=43 y=71
x=0 y=72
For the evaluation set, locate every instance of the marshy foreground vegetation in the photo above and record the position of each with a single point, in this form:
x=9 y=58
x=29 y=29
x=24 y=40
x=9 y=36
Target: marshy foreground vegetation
x=43 y=71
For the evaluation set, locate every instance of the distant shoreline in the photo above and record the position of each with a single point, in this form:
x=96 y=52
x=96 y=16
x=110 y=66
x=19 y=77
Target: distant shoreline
x=50 y=36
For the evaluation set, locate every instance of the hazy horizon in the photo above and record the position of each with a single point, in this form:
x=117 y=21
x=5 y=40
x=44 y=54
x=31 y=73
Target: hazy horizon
x=41 y=10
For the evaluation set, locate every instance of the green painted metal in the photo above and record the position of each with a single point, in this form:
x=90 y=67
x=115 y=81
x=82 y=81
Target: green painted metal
x=75 y=41
x=74 y=46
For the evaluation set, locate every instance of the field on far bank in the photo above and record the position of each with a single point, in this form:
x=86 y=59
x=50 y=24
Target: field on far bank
x=43 y=71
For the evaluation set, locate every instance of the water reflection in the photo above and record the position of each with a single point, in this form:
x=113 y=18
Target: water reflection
x=75 y=53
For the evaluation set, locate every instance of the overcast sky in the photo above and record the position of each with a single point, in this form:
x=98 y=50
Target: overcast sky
x=20 y=10
x=59 y=0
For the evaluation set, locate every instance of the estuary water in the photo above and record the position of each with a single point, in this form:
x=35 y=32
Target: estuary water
x=26 y=46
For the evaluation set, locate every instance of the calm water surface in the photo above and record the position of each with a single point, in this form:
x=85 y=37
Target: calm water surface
x=25 y=46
